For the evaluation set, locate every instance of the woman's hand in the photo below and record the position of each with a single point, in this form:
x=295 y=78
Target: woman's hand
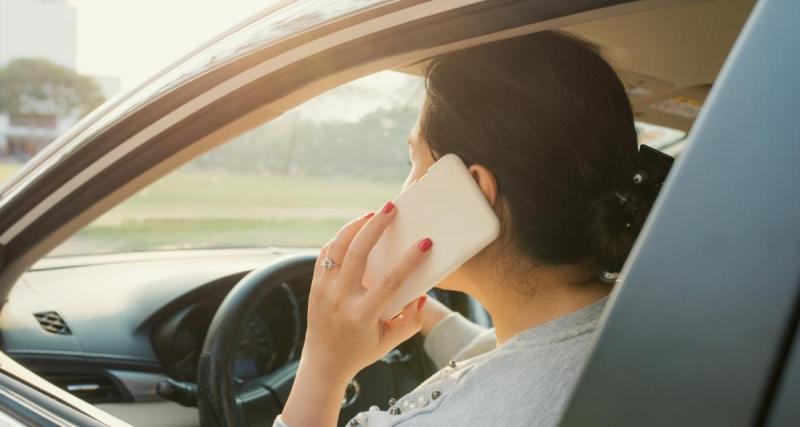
x=345 y=333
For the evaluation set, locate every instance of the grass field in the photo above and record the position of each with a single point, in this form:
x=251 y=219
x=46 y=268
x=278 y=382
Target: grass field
x=207 y=209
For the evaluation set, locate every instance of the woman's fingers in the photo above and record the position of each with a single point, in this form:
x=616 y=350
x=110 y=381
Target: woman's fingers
x=337 y=247
x=405 y=325
x=355 y=260
x=376 y=297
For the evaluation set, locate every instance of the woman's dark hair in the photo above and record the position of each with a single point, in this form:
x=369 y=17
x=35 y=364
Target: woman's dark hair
x=548 y=116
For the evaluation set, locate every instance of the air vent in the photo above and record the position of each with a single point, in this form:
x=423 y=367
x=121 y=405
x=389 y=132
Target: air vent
x=52 y=322
x=91 y=387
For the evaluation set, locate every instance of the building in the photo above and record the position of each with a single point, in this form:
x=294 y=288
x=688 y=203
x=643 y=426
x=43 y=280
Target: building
x=39 y=29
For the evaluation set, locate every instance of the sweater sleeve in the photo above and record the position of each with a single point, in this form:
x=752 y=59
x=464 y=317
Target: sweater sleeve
x=453 y=338
x=456 y=338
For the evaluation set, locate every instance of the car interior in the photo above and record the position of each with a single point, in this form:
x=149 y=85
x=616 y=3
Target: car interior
x=125 y=330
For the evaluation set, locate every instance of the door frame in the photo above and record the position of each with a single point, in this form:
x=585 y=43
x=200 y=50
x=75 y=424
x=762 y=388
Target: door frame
x=698 y=331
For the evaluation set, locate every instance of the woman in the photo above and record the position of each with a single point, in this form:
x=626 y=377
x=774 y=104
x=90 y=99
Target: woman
x=547 y=131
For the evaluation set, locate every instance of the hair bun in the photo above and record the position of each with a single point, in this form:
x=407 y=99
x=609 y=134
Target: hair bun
x=617 y=216
x=614 y=221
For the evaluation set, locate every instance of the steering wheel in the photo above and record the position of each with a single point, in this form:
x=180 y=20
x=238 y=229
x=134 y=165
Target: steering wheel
x=223 y=402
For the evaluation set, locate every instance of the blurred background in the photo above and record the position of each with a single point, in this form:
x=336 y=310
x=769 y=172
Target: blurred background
x=59 y=59
x=291 y=182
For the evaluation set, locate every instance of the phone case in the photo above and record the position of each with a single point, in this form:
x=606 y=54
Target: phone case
x=445 y=205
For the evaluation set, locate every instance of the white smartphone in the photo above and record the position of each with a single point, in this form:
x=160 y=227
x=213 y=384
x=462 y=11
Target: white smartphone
x=445 y=205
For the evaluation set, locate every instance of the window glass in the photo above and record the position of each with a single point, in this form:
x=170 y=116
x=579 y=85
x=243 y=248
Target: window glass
x=290 y=182
x=658 y=137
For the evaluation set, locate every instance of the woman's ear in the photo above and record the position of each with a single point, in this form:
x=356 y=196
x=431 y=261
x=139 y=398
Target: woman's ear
x=486 y=181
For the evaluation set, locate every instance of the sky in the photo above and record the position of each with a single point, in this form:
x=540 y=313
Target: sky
x=133 y=39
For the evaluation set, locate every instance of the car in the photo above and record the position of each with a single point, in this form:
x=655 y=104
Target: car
x=195 y=324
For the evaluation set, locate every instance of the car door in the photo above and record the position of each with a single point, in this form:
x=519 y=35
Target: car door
x=26 y=399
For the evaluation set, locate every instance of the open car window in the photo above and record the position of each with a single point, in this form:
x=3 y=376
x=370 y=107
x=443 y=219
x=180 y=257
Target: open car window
x=290 y=182
x=661 y=138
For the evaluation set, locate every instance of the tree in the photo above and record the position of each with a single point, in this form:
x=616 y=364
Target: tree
x=32 y=86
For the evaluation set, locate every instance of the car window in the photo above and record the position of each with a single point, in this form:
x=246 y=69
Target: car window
x=290 y=182
x=668 y=140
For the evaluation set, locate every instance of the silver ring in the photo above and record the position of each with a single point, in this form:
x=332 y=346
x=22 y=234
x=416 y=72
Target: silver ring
x=328 y=263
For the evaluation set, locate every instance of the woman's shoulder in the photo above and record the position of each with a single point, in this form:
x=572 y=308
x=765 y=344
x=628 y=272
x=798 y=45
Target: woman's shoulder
x=526 y=381
x=518 y=385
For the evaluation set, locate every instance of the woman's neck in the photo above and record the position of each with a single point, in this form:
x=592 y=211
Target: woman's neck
x=520 y=301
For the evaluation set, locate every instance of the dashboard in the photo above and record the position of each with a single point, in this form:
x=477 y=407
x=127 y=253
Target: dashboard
x=272 y=335
x=109 y=328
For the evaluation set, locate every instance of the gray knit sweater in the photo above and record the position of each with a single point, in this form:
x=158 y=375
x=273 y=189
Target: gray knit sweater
x=524 y=382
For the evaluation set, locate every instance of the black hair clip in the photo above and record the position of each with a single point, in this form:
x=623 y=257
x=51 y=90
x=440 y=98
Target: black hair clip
x=652 y=170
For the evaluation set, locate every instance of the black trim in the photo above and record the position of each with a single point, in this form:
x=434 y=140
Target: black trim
x=781 y=367
x=38 y=360
x=57 y=374
x=783 y=410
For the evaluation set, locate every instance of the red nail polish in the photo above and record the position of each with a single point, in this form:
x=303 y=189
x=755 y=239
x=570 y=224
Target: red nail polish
x=425 y=244
x=369 y=215
x=421 y=302
x=388 y=207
